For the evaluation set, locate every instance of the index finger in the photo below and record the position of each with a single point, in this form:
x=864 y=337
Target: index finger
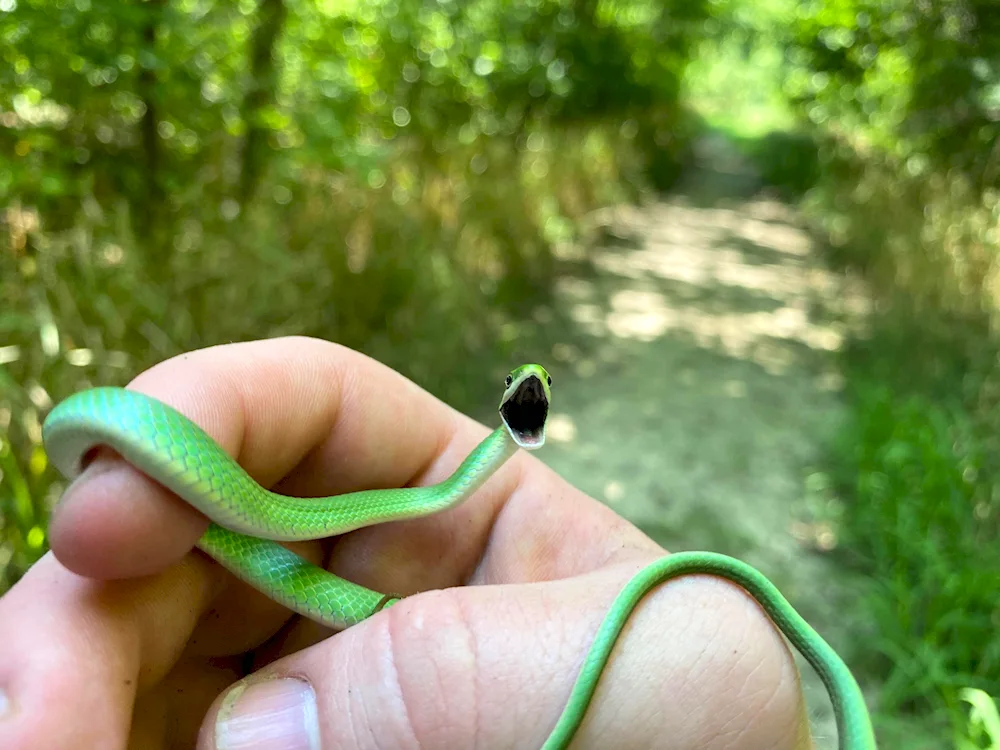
x=317 y=419
x=270 y=404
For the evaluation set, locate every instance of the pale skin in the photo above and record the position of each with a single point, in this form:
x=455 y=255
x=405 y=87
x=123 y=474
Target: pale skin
x=125 y=637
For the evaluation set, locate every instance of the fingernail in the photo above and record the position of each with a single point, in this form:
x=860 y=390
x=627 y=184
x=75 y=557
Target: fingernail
x=276 y=714
x=4 y=704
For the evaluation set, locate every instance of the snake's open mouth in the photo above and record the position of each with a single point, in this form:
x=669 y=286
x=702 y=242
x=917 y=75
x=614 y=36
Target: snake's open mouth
x=525 y=411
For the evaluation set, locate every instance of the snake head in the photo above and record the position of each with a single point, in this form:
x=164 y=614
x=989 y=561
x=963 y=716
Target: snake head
x=525 y=405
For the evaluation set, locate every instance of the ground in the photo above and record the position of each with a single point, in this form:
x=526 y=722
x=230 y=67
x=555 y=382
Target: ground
x=700 y=384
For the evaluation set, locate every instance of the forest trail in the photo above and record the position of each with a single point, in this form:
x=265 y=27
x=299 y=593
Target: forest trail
x=706 y=384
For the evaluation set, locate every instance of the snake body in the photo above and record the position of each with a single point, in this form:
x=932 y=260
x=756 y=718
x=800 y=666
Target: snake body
x=247 y=521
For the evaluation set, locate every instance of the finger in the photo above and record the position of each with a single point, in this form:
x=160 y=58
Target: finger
x=169 y=715
x=274 y=405
x=82 y=650
x=529 y=525
x=545 y=531
x=699 y=666
x=241 y=617
x=291 y=407
x=269 y=404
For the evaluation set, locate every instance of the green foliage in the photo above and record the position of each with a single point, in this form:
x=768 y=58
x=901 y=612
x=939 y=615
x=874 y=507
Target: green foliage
x=193 y=97
x=903 y=101
x=917 y=490
x=930 y=237
x=735 y=77
x=917 y=80
x=788 y=161
x=983 y=729
x=181 y=173
x=900 y=102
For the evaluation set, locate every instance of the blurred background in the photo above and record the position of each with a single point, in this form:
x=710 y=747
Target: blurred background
x=754 y=241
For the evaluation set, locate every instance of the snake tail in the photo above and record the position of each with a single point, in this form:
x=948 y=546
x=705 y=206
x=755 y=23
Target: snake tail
x=854 y=728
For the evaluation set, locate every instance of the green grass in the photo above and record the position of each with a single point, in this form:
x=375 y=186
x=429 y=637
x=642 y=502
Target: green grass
x=917 y=469
x=982 y=732
x=921 y=514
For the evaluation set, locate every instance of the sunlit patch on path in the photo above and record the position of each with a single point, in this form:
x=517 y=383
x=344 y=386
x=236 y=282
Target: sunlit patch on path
x=741 y=279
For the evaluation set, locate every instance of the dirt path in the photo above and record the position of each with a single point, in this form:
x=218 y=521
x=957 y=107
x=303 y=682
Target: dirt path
x=701 y=410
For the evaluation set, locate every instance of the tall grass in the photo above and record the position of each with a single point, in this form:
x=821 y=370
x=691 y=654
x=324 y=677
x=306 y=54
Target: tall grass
x=930 y=235
x=916 y=469
x=439 y=266
x=982 y=731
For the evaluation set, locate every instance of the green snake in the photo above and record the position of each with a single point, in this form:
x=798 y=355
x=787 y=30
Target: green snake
x=248 y=521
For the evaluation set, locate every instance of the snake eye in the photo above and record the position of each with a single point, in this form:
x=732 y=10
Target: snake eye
x=508 y=381
x=549 y=378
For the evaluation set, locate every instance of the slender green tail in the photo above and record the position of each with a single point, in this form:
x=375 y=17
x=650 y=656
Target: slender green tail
x=854 y=728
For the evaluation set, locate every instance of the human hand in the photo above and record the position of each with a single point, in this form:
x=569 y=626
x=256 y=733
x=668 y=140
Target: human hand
x=122 y=639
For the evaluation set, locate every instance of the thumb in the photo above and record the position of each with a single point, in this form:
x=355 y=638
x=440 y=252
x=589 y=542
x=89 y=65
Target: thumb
x=698 y=665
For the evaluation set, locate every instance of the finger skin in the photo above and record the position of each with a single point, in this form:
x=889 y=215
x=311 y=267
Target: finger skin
x=269 y=404
x=699 y=667
x=74 y=652
x=273 y=405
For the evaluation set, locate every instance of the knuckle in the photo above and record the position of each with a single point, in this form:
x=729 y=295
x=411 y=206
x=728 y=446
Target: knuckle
x=434 y=660
x=748 y=680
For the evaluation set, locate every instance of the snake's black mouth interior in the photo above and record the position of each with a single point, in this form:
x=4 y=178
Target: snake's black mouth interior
x=525 y=412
